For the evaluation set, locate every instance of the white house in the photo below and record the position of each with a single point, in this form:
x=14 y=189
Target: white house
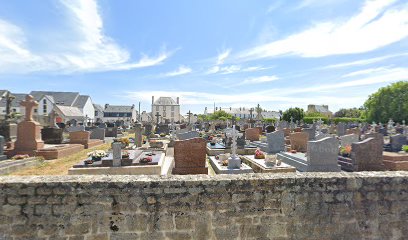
x=113 y=113
x=69 y=100
x=166 y=108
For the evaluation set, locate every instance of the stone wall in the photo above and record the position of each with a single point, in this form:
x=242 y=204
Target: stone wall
x=365 y=205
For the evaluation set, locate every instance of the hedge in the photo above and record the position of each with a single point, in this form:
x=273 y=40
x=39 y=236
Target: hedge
x=326 y=120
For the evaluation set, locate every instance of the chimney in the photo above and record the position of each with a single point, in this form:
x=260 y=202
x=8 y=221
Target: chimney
x=230 y=108
x=178 y=100
x=106 y=106
x=152 y=100
x=216 y=108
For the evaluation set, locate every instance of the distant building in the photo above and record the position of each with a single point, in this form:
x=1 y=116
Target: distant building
x=98 y=113
x=241 y=112
x=113 y=113
x=271 y=114
x=167 y=109
x=71 y=102
x=323 y=109
x=146 y=117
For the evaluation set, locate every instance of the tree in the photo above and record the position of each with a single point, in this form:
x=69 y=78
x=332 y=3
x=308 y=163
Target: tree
x=202 y=117
x=350 y=112
x=388 y=102
x=315 y=115
x=296 y=113
x=220 y=115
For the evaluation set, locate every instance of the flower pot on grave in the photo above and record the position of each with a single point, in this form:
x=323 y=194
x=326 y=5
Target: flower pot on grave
x=96 y=159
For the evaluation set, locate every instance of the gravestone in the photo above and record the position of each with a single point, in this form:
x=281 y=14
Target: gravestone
x=2 y=142
x=163 y=128
x=276 y=141
x=332 y=129
x=298 y=141
x=252 y=134
x=367 y=155
x=188 y=135
x=138 y=134
x=322 y=155
x=241 y=142
x=322 y=135
x=269 y=129
x=311 y=133
x=98 y=133
x=76 y=128
x=8 y=131
x=286 y=132
x=324 y=130
x=28 y=131
x=397 y=141
x=341 y=129
x=148 y=129
x=111 y=132
x=190 y=156
x=347 y=140
x=353 y=131
x=117 y=153
x=52 y=135
x=79 y=137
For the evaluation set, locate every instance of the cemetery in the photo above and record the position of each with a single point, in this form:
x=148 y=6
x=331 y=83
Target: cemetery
x=247 y=150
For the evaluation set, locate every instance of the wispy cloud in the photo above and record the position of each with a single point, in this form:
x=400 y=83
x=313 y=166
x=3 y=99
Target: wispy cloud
x=364 y=61
x=223 y=56
x=229 y=69
x=257 y=80
x=180 y=71
x=91 y=49
x=378 y=24
x=290 y=96
x=365 y=72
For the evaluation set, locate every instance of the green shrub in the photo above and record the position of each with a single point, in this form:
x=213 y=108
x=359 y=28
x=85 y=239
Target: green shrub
x=405 y=148
x=309 y=120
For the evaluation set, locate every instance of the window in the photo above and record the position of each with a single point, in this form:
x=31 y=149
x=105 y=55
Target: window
x=157 y=108
x=164 y=114
x=96 y=113
x=172 y=108
x=35 y=110
x=44 y=101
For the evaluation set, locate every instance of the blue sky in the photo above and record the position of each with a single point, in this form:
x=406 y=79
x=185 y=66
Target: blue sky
x=231 y=52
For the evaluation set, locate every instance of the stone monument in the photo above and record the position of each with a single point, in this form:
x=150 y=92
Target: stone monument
x=234 y=162
x=28 y=131
x=138 y=134
x=2 y=156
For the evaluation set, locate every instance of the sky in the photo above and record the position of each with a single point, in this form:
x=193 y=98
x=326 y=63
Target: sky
x=231 y=53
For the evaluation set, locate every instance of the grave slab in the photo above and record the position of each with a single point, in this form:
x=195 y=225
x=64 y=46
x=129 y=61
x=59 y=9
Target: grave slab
x=219 y=169
x=259 y=165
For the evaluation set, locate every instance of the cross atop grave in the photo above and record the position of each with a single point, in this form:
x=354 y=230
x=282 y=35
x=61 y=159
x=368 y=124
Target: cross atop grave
x=189 y=117
x=9 y=99
x=390 y=127
x=29 y=103
x=157 y=117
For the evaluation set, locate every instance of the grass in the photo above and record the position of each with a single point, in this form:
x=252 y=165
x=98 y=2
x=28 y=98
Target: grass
x=59 y=166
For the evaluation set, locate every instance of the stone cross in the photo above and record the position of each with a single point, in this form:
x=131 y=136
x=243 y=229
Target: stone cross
x=157 y=118
x=9 y=99
x=234 y=162
x=250 y=116
x=189 y=117
x=29 y=103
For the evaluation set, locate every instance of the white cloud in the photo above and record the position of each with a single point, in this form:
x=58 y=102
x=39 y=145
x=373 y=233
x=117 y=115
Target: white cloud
x=180 y=71
x=364 y=72
x=223 y=56
x=286 y=97
x=365 y=61
x=229 y=69
x=261 y=79
x=378 y=24
x=90 y=49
